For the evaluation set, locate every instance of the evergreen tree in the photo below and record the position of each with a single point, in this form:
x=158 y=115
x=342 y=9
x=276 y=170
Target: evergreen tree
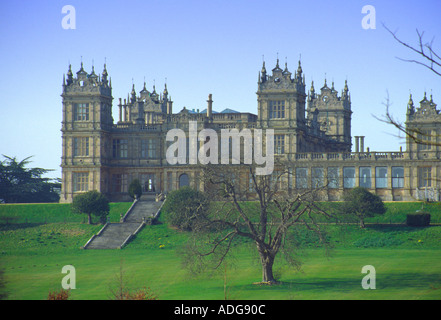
x=135 y=189
x=19 y=184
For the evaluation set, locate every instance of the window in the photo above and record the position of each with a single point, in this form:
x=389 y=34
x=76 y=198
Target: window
x=119 y=183
x=317 y=176
x=148 y=182
x=120 y=148
x=169 y=181
x=279 y=144
x=425 y=137
x=289 y=178
x=424 y=177
x=276 y=179
x=381 y=177
x=184 y=180
x=80 y=181
x=301 y=178
x=81 y=146
x=250 y=183
x=397 y=177
x=81 y=112
x=148 y=149
x=276 y=109
x=365 y=177
x=333 y=178
x=348 y=177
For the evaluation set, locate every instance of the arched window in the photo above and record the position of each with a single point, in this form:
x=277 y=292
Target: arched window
x=184 y=180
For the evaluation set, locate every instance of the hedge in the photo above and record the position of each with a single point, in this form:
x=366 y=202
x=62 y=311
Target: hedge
x=418 y=219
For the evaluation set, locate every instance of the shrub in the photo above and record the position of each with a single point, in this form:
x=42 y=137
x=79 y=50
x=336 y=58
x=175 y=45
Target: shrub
x=378 y=241
x=91 y=202
x=418 y=219
x=362 y=203
x=183 y=207
x=135 y=189
x=59 y=295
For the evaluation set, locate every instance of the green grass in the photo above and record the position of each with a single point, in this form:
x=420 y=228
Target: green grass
x=39 y=213
x=46 y=237
x=397 y=211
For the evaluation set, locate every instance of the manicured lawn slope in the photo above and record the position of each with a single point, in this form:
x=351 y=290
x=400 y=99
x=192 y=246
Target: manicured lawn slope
x=44 y=238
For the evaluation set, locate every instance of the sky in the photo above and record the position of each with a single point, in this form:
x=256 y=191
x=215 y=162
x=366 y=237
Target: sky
x=208 y=46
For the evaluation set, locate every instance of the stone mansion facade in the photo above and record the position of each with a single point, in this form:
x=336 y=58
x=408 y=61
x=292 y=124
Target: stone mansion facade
x=312 y=129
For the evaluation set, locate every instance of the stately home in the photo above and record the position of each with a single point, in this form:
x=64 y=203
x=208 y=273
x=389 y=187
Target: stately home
x=312 y=131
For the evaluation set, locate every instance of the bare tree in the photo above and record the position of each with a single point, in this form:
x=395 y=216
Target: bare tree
x=416 y=134
x=269 y=224
x=121 y=290
x=428 y=58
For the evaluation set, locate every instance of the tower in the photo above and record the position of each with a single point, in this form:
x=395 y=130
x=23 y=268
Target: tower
x=333 y=114
x=281 y=106
x=86 y=123
x=423 y=127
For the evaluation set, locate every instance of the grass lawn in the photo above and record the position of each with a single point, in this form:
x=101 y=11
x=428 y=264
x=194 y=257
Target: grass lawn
x=407 y=262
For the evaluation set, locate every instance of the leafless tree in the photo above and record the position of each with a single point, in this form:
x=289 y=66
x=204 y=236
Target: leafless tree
x=269 y=225
x=426 y=57
x=121 y=290
x=414 y=133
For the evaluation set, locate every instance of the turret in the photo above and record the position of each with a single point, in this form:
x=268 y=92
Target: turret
x=133 y=94
x=345 y=92
x=154 y=94
x=69 y=76
x=286 y=71
x=263 y=73
x=104 y=75
x=92 y=75
x=311 y=92
x=410 y=107
x=165 y=93
x=299 y=71
x=144 y=92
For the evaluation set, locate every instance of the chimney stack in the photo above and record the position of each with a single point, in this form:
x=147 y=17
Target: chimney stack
x=169 y=107
x=120 y=110
x=210 y=106
x=140 y=119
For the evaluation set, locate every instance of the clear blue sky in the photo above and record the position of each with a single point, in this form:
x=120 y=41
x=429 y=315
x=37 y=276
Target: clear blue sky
x=204 y=47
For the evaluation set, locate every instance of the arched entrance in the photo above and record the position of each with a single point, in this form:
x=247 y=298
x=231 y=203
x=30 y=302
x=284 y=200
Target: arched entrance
x=184 y=180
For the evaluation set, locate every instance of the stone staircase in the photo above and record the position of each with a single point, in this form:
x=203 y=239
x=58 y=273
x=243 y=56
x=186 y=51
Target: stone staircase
x=116 y=235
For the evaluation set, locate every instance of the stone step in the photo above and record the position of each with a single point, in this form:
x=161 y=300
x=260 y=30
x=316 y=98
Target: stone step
x=114 y=235
x=143 y=210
